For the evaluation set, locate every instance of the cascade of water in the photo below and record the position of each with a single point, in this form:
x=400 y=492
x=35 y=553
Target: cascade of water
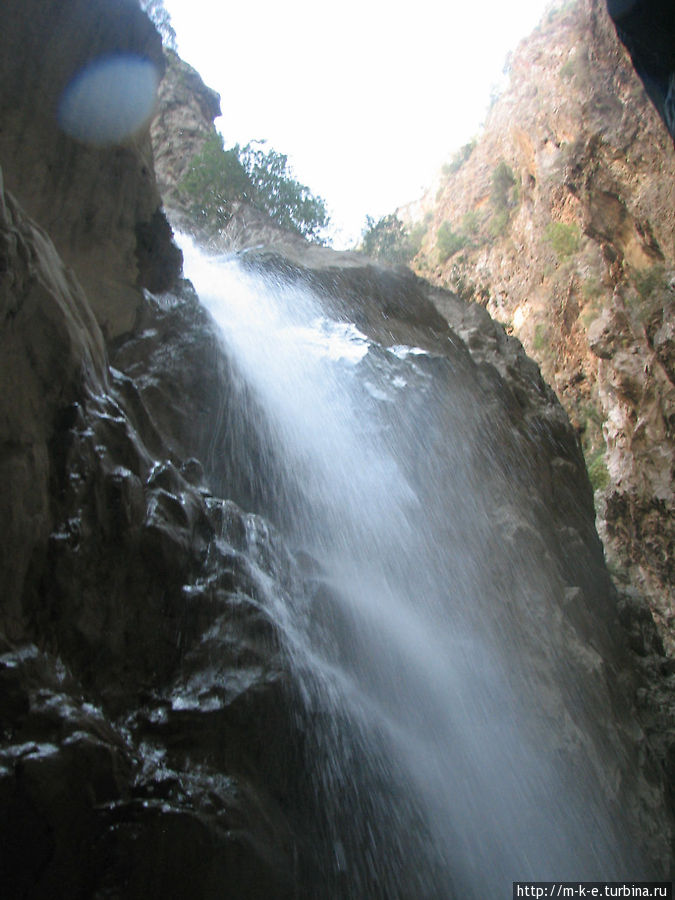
x=430 y=762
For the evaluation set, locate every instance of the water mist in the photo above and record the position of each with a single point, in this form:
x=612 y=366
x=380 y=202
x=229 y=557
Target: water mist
x=440 y=767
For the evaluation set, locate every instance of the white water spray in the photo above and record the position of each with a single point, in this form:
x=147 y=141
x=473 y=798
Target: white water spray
x=436 y=780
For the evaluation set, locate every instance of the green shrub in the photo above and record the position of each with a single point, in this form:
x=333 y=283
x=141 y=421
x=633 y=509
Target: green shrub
x=470 y=223
x=218 y=177
x=563 y=238
x=389 y=239
x=277 y=193
x=590 y=419
x=540 y=336
x=214 y=180
x=415 y=238
x=504 y=193
x=647 y=281
x=458 y=160
x=647 y=302
x=504 y=198
x=567 y=71
x=598 y=472
x=577 y=69
x=498 y=223
x=448 y=242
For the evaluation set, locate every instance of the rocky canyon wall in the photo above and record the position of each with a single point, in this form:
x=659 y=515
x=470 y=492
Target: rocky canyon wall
x=560 y=219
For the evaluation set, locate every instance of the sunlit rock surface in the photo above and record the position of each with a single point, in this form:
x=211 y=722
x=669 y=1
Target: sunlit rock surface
x=576 y=257
x=185 y=112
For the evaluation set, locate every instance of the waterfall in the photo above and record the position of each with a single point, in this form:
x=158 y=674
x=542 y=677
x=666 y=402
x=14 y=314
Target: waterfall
x=449 y=757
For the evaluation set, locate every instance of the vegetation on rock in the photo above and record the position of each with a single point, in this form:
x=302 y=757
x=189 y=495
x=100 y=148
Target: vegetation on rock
x=217 y=178
x=448 y=242
x=597 y=471
x=459 y=158
x=564 y=238
x=389 y=239
x=277 y=193
x=504 y=198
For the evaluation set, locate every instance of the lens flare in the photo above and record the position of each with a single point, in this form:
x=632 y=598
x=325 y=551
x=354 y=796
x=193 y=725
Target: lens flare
x=109 y=99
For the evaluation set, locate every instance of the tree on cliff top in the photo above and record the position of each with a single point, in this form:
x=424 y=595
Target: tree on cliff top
x=218 y=177
x=390 y=239
x=276 y=192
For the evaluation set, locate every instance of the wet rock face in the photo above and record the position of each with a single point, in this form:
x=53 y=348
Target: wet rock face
x=540 y=496
x=176 y=364
x=50 y=340
x=143 y=682
x=98 y=203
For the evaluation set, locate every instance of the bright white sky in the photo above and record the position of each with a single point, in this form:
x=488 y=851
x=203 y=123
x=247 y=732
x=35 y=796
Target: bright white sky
x=366 y=97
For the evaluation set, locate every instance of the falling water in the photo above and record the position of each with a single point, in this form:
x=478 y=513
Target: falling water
x=433 y=769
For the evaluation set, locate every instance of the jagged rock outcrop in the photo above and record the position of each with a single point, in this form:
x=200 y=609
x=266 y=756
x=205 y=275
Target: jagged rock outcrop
x=560 y=220
x=186 y=110
x=99 y=204
x=541 y=498
x=181 y=130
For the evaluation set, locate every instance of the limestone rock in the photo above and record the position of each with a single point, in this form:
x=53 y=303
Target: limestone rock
x=564 y=211
x=186 y=108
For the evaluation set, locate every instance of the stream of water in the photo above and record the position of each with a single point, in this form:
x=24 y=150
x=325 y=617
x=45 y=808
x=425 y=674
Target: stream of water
x=431 y=769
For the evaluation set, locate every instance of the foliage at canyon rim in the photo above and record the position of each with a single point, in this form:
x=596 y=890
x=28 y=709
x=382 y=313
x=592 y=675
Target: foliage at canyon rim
x=389 y=239
x=217 y=178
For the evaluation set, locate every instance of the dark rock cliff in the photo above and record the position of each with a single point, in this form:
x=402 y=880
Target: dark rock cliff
x=152 y=742
x=117 y=775
x=648 y=31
